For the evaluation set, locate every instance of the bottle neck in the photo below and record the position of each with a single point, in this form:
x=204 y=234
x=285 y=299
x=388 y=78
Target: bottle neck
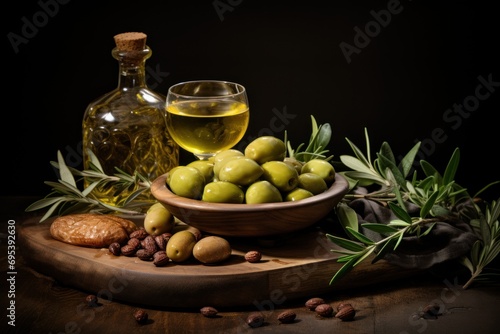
x=131 y=76
x=132 y=68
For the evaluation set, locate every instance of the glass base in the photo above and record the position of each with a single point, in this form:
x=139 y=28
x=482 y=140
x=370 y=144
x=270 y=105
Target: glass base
x=204 y=156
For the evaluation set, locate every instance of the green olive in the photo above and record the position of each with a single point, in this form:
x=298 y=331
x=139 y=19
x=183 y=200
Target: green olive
x=226 y=153
x=180 y=246
x=262 y=192
x=212 y=249
x=297 y=194
x=158 y=220
x=185 y=227
x=294 y=163
x=242 y=171
x=206 y=167
x=169 y=174
x=321 y=167
x=281 y=175
x=220 y=163
x=222 y=192
x=312 y=182
x=222 y=157
x=266 y=148
x=187 y=182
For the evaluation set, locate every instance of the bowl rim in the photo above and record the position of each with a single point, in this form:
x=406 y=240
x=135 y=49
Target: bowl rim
x=163 y=194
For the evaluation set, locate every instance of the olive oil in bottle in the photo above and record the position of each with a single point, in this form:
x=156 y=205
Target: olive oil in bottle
x=126 y=128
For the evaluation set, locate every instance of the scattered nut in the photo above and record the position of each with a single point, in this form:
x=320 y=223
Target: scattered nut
x=197 y=233
x=139 y=234
x=134 y=242
x=149 y=244
x=144 y=246
x=324 y=310
x=160 y=259
x=144 y=255
x=341 y=305
x=128 y=250
x=208 y=311
x=141 y=316
x=346 y=313
x=287 y=317
x=91 y=300
x=313 y=302
x=255 y=319
x=166 y=235
x=253 y=256
x=431 y=311
x=115 y=248
x=161 y=243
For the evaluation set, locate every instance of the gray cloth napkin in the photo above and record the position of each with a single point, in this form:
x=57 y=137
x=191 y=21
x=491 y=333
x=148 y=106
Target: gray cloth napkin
x=451 y=238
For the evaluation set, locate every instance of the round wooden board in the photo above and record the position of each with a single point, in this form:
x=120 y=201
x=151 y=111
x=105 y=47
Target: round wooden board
x=299 y=265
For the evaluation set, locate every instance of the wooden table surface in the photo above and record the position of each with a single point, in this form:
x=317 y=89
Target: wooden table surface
x=43 y=305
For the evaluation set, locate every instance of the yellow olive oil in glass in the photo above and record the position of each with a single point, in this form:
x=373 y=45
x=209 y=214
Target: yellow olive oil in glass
x=206 y=127
x=207 y=116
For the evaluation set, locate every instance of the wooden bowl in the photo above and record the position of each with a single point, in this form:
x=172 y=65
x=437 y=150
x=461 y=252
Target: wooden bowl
x=250 y=220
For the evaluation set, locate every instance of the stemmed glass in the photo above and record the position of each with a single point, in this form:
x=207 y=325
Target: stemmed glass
x=207 y=116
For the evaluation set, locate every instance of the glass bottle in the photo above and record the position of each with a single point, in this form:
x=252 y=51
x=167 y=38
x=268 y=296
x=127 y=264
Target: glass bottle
x=126 y=128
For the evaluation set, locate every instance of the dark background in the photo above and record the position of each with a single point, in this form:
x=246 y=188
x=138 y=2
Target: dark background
x=399 y=86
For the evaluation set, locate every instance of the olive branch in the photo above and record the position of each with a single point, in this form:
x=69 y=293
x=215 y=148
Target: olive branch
x=67 y=198
x=437 y=196
x=484 y=250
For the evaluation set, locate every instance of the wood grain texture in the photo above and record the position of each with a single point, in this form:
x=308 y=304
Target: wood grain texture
x=297 y=265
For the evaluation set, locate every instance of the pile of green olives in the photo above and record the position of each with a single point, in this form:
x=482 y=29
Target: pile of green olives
x=260 y=174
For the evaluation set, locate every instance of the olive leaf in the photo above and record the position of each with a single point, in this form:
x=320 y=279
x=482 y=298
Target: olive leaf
x=347 y=217
x=66 y=175
x=316 y=147
x=406 y=164
x=380 y=228
x=345 y=243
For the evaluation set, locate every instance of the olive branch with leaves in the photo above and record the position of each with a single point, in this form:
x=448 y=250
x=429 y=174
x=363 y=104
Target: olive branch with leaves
x=67 y=198
x=437 y=195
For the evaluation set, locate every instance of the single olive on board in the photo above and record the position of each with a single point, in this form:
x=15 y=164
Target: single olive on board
x=180 y=246
x=158 y=220
x=212 y=249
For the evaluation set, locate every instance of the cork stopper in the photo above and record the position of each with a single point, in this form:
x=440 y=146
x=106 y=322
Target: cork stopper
x=130 y=41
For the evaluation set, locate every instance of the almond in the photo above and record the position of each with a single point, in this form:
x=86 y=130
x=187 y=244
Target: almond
x=287 y=317
x=324 y=310
x=346 y=313
x=313 y=302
